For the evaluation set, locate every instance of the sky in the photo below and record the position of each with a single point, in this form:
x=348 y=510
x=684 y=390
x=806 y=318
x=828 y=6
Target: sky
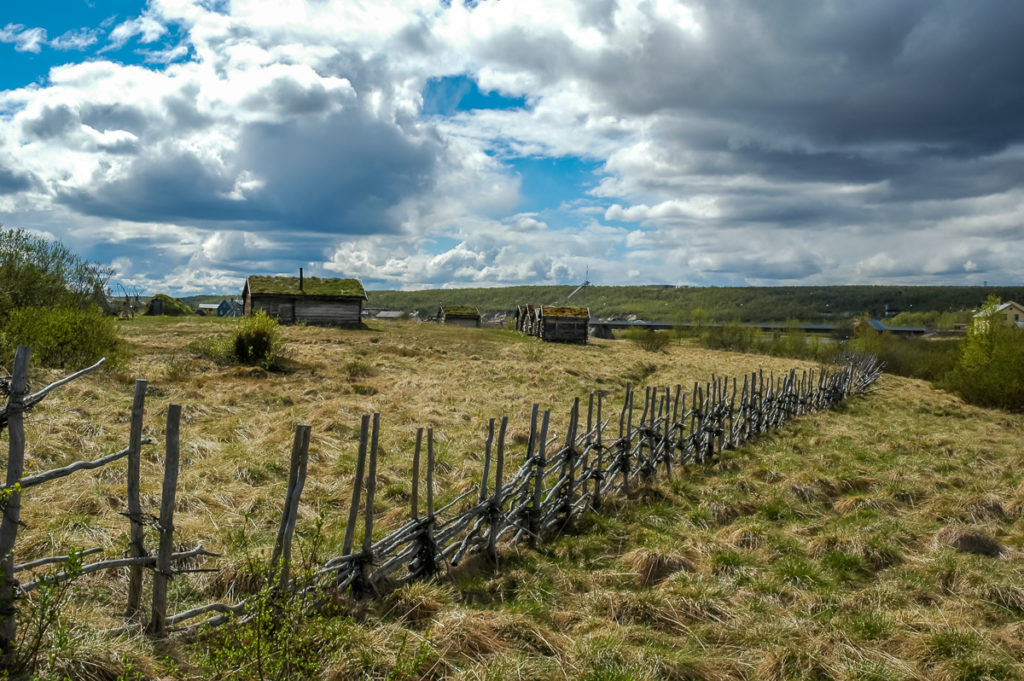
x=424 y=144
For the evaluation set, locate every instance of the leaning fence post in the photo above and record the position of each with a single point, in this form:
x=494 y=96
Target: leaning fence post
x=497 y=501
x=136 y=533
x=12 y=507
x=599 y=465
x=289 y=516
x=157 y=623
x=371 y=486
x=487 y=460
x=538 y=480
x=357 y=486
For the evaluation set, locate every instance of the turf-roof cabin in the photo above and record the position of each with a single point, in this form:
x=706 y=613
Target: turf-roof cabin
x=562 y=324
x=459 y=315
x=313 y=300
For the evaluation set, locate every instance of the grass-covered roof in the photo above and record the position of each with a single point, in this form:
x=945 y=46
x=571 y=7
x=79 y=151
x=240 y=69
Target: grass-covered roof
x=549 y=311
x=460 y=311
x=311 y=286
x=171 y=307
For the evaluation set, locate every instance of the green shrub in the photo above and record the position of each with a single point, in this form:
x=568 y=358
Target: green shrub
x=359 y=369
x=64 y=337
x=645 y=339
x=730 y=336
x=257 y=340
x=990 y=368
x=930 y=360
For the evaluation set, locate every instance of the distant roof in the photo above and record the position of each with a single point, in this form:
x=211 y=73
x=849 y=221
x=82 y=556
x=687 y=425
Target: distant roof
x=877 y=325
x=390 y=314
x=549 y=311
x=460 y=311
x=1005 y=306
x=311 y=286
x=209 y=306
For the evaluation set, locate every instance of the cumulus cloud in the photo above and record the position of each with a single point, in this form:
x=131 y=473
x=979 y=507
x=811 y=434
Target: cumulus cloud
x=24 y=39
x=78 y=39
x=733 y=142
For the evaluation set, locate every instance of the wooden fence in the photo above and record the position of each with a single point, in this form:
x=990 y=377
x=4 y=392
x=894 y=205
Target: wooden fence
x=601 y=452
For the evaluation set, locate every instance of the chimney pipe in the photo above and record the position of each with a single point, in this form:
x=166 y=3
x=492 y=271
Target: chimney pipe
x=300 y=279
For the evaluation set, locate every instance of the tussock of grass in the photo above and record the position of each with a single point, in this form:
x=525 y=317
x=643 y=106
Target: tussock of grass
x=652 y=567
x=968 y=540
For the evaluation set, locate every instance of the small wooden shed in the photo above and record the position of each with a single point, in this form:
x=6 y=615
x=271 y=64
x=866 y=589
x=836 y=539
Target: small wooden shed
x=313 y=300
x=563 y=324
x=459 y=315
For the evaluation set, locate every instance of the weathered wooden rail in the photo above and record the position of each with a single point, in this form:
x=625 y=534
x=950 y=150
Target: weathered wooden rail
x=601 y=452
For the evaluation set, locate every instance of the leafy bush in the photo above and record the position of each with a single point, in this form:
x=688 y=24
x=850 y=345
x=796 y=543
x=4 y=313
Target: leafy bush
x=257 y=340
x=990 y=370
x=731 y=336
x=930 y=360
x=645 y=339
x=64 y=336
x=35 y=272
x=359 y=369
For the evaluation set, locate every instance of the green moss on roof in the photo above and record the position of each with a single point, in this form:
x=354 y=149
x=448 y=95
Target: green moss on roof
x=565 y=311
x=311 y=286
x=171 y=307
x=460 y=311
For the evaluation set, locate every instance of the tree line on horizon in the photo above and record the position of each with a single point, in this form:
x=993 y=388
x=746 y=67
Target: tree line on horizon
x=934 y=306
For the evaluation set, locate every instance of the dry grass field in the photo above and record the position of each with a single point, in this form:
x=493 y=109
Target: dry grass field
x=837 y=548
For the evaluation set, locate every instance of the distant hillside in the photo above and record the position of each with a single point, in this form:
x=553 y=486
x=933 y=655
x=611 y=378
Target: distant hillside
x=748 y=304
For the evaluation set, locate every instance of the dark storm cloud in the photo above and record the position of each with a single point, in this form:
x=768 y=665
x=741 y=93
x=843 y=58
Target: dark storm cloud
x=162 y=188
x=918 y=94
x=343 y=173
x=779 y=266
x=182 y=112
x=12 y=182
x=115 y=117
x=285 y=95
x=942 y=73
x=55 y=121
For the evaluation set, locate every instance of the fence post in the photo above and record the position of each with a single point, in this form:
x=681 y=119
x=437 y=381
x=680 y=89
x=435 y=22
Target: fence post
x=136 y=532
x=430 y=474
x=12 y=507
x=415 y=501
x=497 y=501
x=487 y=460
x=538 y=480
x=357 y=486
x=289 y=516
x=371 y=486
x=157 y=623
x=595 y=503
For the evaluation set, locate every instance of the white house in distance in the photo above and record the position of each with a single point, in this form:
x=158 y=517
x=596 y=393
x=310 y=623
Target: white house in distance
x=1012 y=314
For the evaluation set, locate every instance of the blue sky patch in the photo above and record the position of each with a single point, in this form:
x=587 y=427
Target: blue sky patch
x=548 y=182
x=450 y=94
x=37 y=36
